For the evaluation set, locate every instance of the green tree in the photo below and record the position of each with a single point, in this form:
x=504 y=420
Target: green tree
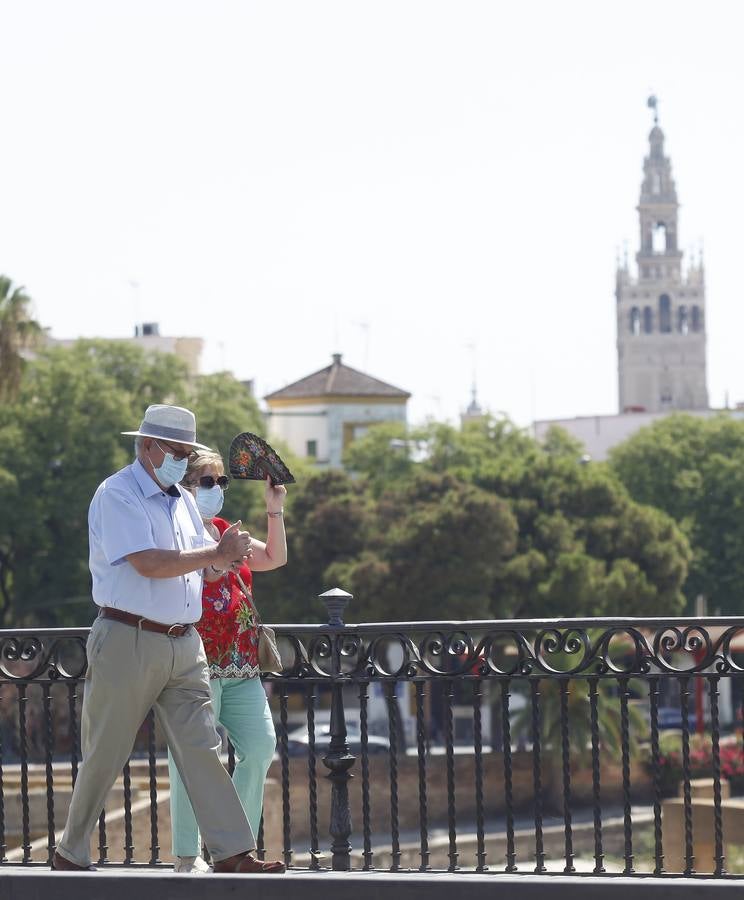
x=434 y=552
x=583 y=545
x=61 y=438
x=56 y=445
x=693 y=469
x=328 y=522
x=18 y=332
x=383 y=456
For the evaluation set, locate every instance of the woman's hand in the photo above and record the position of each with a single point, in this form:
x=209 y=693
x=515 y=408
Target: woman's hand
x=275 y=495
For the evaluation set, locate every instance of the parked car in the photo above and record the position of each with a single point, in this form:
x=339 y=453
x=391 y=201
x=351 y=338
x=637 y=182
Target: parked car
x=671 y=717
x=297 y=741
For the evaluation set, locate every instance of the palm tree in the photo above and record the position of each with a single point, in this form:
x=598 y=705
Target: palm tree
x=579 y=719
x=579 y=728
x=18 y=332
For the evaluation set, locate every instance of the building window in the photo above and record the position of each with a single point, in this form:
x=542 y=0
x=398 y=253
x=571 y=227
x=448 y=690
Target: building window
x=311 y=449
x=648 y=320
x=683 y=325
x=665 y=314
x=656 y=183
x=697 y=319
x=659 y=238
x=635 y=320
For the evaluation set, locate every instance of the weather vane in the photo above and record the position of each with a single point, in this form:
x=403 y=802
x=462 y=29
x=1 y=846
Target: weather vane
x=653 y=104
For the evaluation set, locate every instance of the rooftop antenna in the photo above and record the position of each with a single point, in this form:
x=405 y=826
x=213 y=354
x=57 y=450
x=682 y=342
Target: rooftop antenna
x=653 y=103
x=134 y=286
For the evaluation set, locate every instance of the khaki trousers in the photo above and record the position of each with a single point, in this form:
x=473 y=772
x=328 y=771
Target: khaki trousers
x=130 y=671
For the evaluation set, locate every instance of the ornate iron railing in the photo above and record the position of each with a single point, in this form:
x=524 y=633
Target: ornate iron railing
x=529 y=739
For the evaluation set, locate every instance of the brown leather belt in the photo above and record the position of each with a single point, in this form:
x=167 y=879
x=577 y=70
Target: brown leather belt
x=177 y=630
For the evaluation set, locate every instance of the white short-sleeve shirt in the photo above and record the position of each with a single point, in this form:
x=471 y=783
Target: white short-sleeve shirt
x=131 y=512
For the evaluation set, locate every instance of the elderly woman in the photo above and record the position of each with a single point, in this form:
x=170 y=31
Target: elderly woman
x=230 y=638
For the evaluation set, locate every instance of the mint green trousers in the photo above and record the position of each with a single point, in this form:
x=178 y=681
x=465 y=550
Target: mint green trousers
x=240 y=705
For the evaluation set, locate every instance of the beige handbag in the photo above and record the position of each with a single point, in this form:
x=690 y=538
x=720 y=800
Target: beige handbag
x=269 y=658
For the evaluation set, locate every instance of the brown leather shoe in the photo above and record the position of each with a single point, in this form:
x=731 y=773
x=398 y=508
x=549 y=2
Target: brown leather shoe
x=60 y=864
x=247 y=864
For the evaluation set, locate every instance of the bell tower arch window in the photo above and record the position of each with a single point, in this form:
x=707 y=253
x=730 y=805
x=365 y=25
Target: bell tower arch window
x=635 y=320
x=683 y=322
x=697 y=319
x=648 y=320
x=659 y=238
x=665 y=314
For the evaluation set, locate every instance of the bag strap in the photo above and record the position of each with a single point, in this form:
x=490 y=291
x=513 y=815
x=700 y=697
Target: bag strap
x=249 y=598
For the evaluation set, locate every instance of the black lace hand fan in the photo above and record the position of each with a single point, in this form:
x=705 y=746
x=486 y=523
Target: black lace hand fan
x=253 y=459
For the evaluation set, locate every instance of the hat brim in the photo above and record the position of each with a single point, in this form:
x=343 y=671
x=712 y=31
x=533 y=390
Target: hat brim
x=159 y=437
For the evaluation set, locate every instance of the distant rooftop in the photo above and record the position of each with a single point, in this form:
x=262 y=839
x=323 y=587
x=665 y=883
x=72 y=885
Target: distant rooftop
x=337 y=380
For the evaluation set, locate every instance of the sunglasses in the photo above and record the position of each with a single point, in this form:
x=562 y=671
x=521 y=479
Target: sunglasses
x=209 y=481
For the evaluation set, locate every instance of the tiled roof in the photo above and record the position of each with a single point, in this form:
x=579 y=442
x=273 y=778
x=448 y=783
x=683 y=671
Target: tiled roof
x=337 y=380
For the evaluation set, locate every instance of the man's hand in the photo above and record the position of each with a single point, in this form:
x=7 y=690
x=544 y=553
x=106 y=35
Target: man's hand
x=234 y=546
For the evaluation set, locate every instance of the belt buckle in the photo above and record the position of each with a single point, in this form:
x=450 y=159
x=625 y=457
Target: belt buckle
x=175 y=625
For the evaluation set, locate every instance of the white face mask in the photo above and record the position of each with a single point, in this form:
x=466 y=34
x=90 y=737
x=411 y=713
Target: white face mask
x=209 y=501
x=171 y=470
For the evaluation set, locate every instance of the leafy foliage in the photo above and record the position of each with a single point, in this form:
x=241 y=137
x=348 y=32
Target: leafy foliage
x=428 y=524
x=693 y=469
x=579 y=545
x=18 y=332
x=434 y=552
x=61 y=438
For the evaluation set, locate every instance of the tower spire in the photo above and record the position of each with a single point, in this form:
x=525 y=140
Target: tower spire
x=653 y=103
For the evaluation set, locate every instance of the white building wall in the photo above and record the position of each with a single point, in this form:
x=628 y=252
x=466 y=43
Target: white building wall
x=358 y=414
x=297 y=425
x=325 y=424
x=599 y=434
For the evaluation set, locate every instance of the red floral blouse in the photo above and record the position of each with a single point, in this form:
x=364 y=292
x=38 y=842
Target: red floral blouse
x=227 y=627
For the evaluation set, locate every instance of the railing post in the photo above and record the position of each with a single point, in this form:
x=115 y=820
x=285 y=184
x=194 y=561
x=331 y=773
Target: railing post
x=338 y=759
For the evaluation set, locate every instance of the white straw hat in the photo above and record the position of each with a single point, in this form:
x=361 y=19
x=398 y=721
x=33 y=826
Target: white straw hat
x=169 y=423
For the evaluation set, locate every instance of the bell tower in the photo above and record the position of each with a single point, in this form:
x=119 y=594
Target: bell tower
x=661 y=311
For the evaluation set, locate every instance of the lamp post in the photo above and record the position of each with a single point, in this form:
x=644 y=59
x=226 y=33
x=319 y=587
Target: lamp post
x=338 y=760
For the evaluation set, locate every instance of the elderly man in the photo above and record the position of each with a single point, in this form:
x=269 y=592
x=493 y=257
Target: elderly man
x=147 y=552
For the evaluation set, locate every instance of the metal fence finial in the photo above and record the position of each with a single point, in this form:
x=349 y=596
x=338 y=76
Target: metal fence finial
x=336 y=602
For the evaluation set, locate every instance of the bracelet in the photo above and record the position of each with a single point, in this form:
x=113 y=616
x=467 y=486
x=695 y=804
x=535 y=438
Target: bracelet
x=275 y=515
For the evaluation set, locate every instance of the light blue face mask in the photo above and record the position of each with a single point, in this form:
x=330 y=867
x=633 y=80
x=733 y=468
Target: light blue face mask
x=171 y=470
x=209 y=501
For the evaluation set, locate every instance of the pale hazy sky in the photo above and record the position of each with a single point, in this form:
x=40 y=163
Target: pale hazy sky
x=395 y=180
